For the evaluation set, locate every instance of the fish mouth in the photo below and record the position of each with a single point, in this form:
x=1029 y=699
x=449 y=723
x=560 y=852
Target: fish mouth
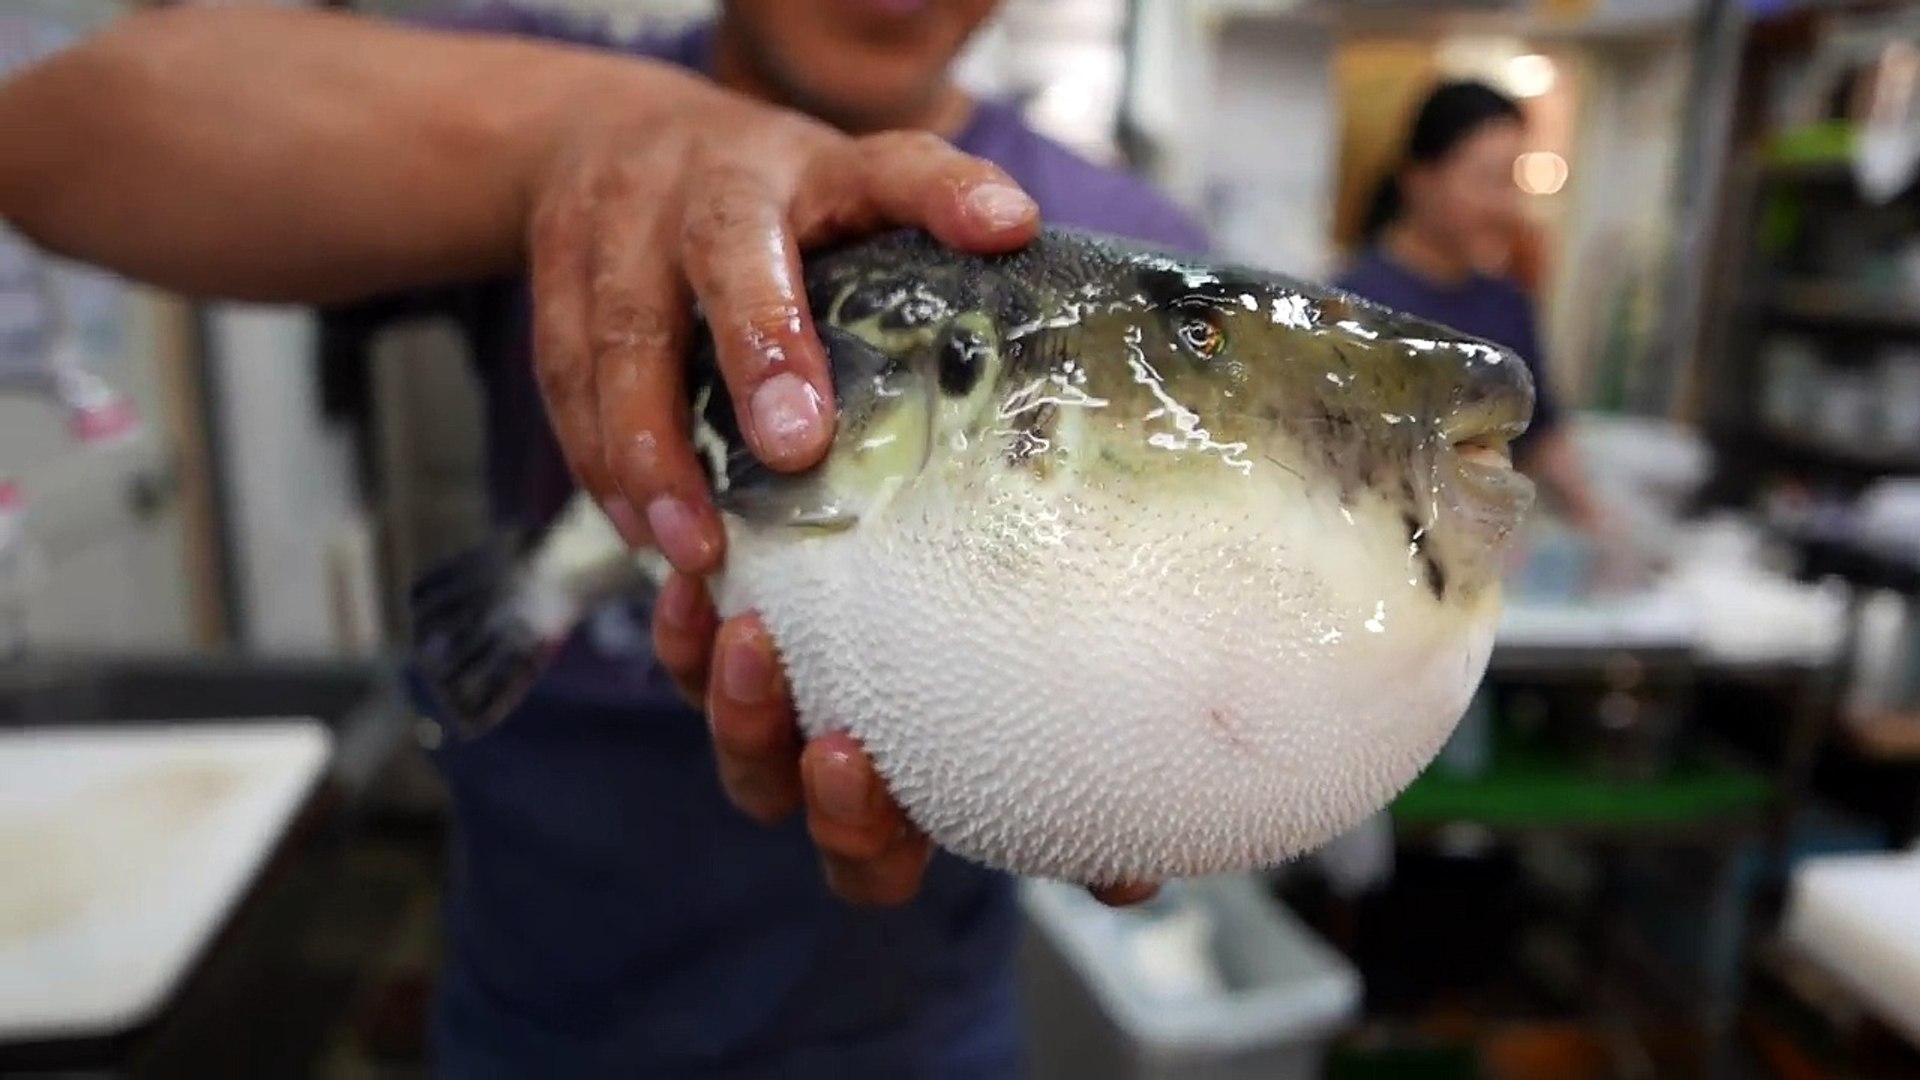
x=1480 y=451
x=1484 y=452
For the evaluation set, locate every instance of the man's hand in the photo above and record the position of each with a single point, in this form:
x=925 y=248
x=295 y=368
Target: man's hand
x=713 y=203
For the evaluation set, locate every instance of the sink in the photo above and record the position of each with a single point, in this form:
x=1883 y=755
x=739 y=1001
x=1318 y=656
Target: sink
x=359 y=700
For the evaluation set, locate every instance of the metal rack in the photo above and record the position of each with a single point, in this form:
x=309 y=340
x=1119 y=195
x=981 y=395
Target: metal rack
x=1777 y=271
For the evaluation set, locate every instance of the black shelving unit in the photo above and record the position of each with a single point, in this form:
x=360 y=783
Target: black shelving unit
x=1802 y=255
x=1791 y=226
x=1783 y=450
x=1787 y=263
x=1851 y=309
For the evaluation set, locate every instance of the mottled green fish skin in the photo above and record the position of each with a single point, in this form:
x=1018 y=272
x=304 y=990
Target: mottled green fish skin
x=1098 y=360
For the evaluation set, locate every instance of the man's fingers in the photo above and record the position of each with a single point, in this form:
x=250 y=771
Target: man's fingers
x=638 y=328
x=683 y=634
x=743 y=267
x=891 y=878
x=913 y=179
x=849 y=811
x=869 y=852
x=754 y=736
x=563 y=354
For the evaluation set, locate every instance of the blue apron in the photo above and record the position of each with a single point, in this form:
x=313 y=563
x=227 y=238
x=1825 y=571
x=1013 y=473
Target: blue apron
x=609 y=912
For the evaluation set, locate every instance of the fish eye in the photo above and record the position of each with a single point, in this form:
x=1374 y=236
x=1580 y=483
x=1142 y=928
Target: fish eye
x=1201 y=334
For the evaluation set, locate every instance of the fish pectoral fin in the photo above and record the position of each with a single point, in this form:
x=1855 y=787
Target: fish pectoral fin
x=487 y=622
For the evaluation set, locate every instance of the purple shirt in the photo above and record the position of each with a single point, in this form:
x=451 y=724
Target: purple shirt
x=608 y=911
x=1486 y=307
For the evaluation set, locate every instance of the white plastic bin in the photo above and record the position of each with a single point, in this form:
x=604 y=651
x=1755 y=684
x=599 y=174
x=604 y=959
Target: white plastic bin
x=1232 y=986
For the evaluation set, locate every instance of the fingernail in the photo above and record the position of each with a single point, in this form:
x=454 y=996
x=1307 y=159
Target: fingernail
x=841 y=788
x=1000 y=206
x=626 y=521
x=786 y=414
x=677 y=532
x=746 y=674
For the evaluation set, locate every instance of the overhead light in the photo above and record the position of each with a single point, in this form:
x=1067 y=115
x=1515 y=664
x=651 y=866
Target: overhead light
x=1530 y=75
x=1066 y=101
x=1540 y=172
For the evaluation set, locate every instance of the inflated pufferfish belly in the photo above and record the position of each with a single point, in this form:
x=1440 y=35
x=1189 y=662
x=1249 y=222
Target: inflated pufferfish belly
x=1122 y=567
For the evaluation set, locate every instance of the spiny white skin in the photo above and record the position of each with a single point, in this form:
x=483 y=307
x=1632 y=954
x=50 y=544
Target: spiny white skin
x=1162 y=647
x=1114 y=685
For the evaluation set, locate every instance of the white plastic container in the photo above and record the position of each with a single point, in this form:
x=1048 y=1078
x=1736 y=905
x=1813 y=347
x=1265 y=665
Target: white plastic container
x=1856 y=917
x=1212 y=981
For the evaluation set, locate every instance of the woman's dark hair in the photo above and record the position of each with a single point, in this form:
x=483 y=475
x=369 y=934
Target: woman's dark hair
x=1451 y=112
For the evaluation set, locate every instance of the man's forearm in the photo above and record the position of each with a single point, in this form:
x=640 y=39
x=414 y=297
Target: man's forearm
x=294 y=155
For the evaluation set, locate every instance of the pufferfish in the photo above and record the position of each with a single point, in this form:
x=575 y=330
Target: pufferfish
x=1121 y=566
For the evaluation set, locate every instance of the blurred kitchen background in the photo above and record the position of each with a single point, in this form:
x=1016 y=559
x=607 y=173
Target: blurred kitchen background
x=1677 y=835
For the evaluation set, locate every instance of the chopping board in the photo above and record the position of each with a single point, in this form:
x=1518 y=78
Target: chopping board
x=122 y=849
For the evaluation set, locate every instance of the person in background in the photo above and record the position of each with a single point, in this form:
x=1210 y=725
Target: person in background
x=1437 y=236
x=632 y=892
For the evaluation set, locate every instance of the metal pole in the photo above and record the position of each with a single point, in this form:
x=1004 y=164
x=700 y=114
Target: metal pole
x=1708 y=131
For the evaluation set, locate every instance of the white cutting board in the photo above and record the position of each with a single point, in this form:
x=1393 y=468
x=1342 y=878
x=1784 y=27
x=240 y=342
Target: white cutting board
x=121 y=851
x=1858 y=917
x=1651 y=620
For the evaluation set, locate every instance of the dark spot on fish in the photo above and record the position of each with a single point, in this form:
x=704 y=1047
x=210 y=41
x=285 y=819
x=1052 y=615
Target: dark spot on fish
x=1436 y=577
x=1016 y=308
x=1163 y=288
x=1034 y=434
x=870 y=298
x=963 y=360
x=913 y=311
x=1270 y=413
x=1175 y=296
x=1040 y=353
